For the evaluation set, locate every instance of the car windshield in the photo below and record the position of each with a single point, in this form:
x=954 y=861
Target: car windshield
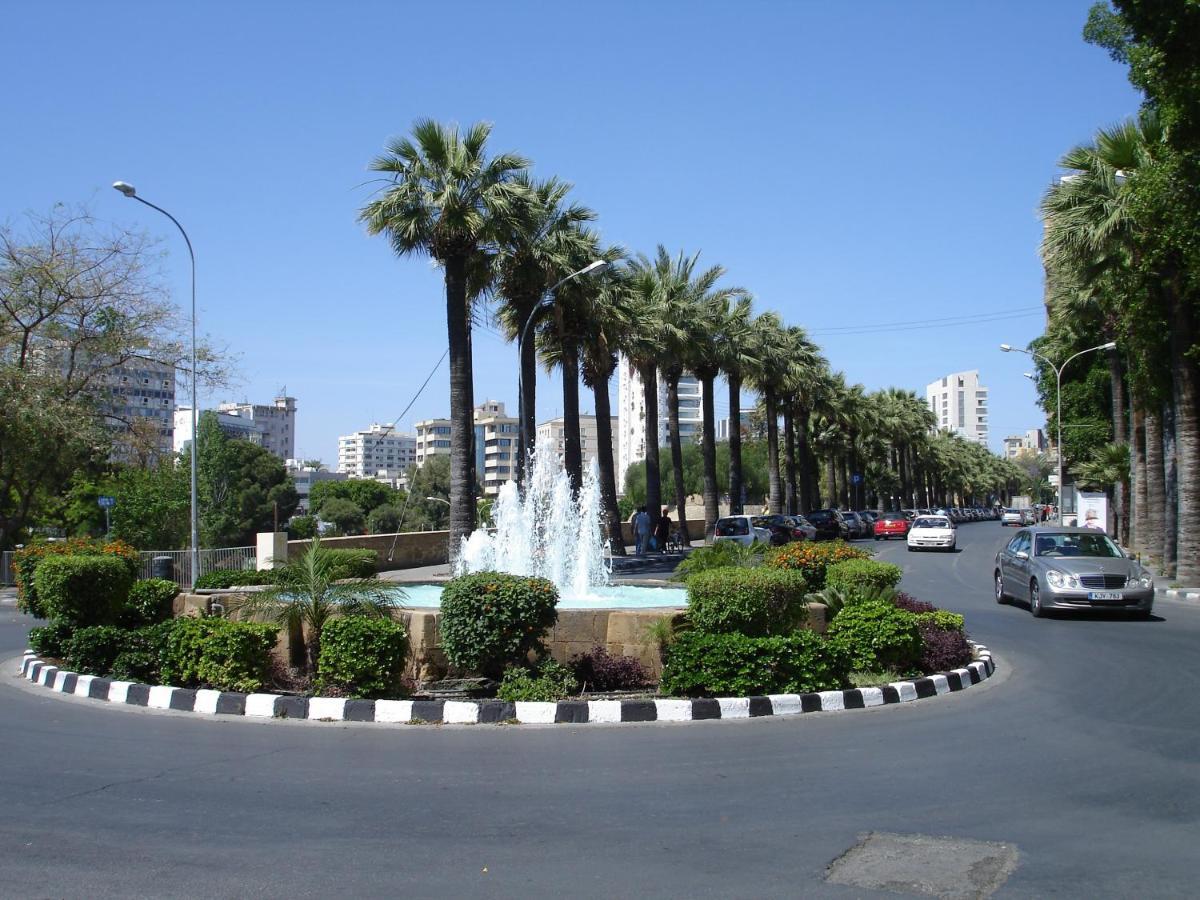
x=1011 y=512
x=732 y=527
x=931 y=522
x=1093 y=545
x=894 y=517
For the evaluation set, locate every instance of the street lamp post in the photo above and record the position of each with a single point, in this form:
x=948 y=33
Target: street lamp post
x=129 y=191
x=547 y=299
x=1058 y=370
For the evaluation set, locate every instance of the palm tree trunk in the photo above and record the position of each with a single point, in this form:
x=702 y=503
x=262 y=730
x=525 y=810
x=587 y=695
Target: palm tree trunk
x=462 y=406
x=804 y=452
x=572 y=443
x=736 y=484
x=1120 y=490
x=527 y=402
x=789 y=457
x=1185 y=386
x=1170 y=493
x=708 y=451
x=1139 y=483
x=831 y=478
x=1155 y=487
x=676 y=452
x=649 y=374
x=902 y=461
x=604 y=461
x=775 y=492
x=844 y=460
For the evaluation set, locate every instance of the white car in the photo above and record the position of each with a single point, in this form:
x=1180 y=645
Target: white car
x=931 y=532
x=1012 y=517
x=742 y=530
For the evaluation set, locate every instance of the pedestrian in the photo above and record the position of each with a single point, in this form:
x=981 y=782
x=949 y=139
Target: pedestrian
x=641 y=530
x=662 y=532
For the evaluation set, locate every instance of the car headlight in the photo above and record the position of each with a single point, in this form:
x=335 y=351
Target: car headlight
x=1139 y=579
x=1062 y=581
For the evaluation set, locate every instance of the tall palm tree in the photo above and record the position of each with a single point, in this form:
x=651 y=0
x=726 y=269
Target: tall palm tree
x=770 y=362
x=448 y=200
x=536 y=250
x=734 y=342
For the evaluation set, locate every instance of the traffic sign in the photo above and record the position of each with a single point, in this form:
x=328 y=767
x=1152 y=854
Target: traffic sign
x=856 y=478
x=107 y=502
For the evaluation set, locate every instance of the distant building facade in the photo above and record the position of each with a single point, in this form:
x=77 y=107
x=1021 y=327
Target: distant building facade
x=433 y=439
x=377 y=452
x=136 y=401
x=235 y=427
x=304 y=477
x=496 y=436
x=1016 y=444
x=552 y=437
x=275 y=421
x=960 y=404
x=632 y=437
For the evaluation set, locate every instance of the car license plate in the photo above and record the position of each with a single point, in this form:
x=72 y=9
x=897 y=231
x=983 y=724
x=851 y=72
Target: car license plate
x=1106 y=595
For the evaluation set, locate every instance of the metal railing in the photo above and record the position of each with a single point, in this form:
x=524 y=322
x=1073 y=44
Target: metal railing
x=221 y=559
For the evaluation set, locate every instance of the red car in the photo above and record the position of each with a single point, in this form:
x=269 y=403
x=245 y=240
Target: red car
x=892 y=524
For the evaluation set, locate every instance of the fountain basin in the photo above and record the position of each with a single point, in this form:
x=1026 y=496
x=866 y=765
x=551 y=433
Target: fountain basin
x=602 y=597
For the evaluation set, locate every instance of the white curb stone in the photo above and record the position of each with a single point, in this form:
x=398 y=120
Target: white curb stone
x=458 y=712
x=785 y=704
x=906 y=689
x=734 y=707
x=206 y=701
x=83 y=685
x=393 y=710
x=333 y=708
x=260 y=705
x=673 y=710
x=536 y=713
x=940 y=683
x=831 y=700
x=604 y=711
x=872 y=696
x=160 y=697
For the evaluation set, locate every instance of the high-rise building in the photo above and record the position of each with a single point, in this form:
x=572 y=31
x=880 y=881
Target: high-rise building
x=236 y=427
x=959 y=402
x=551 y=437
x=377 y=452
x=632 y=415
x=433 y=439
x=495 y=446
x=276 y=421
x=136 y=402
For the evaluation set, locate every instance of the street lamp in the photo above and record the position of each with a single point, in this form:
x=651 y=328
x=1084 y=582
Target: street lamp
x=547 y=299
x=129 y=191
x=438 y=500
x=1058 y=370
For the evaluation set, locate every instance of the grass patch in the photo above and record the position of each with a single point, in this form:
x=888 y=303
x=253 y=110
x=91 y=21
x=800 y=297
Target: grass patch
x=875 y=679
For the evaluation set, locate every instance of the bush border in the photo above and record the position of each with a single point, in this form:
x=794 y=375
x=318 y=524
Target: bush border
x=501 y=712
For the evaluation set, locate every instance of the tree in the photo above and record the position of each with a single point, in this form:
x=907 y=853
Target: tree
x=430 y=480
x=345 y=515
x=447 y=200
x=385 y=519
x=153 y=506
x=364 y=493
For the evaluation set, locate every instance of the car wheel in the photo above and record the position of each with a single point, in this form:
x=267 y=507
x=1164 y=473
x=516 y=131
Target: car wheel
x=910 y=548
x=1035 y=600
x=1001 y=597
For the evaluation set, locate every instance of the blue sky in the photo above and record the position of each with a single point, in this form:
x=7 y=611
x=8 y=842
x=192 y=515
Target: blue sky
x=852 y=164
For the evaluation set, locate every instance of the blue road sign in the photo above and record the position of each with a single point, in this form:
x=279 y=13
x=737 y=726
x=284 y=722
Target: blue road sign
x=107 y=502
x=856 y=478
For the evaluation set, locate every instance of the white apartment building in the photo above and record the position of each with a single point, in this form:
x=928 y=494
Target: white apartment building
x=960 y=404
x=496 y=440
x=236 y=427
x=631 y=441
x=377 y=452
x=552 y=437
x=1016 y=444
x=433 y=439
x=276 y=422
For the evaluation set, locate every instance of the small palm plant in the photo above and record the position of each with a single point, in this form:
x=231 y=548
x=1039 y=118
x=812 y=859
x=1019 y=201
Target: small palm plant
x=307 y=595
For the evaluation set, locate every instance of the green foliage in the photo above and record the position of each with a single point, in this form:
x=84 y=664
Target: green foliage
x=754 y=472
x=432 y=479
x=943 y=619
x=546 y=682
x=835 y=597
x=91 y=650
x=26 y=560
x=625 y=508
x=302 y=528
x=492 y=620
x=149 y=602
x=50 y=640
x=362 y=657
x=218 y=653
x=345 y=515
x=863 y=574
x=813 y=559
x=754 y=602
x=353 y=563
x=364 y=493
x=229 y=578
x=83 y=590
x=879 y=636
x=343 y=564
x=862 y=679
x=384 y=519
x=735 y=665
x=717 y=556
x=153 y=506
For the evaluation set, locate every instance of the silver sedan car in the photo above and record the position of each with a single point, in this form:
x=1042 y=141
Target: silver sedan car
x=1071 y=568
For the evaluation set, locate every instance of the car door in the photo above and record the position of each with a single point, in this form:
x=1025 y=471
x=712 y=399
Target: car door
x=1020 y=566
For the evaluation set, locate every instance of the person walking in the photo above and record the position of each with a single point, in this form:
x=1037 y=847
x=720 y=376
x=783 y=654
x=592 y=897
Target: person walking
x=641 y=530
x=662 y=533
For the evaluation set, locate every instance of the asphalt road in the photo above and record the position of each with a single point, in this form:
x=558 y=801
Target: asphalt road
x=1082 y=752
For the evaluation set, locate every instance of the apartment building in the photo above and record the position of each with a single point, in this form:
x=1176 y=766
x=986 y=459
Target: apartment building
x=960 y=404
x=137 y=404
x=632 y=415
x=1016 y=444
x=496 y=440
x=551 y=437
x=276 y=422
x=378 y=451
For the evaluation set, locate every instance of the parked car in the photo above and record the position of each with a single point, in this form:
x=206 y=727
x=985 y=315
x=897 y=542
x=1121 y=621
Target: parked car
x=829 y=524
x=742 y=530
x=931 y=533
x=1054 y=568
x=802 y=529
x=858 y=526
x=868 y=515
x=780 y=526
x=890 y=525
x=1012 y=517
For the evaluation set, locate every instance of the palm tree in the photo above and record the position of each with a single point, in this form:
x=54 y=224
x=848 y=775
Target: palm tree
x=536 y=250
x=448 y=200
x=734 y=341
x=770 y=362
x=308 y=596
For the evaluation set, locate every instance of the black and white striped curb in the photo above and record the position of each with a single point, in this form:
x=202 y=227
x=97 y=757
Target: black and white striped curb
x=482 y=712
x=1180 y=593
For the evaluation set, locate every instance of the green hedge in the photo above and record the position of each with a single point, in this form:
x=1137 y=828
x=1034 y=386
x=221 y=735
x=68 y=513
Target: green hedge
x=813 y=559
x=491 y=620
x=547 y=682
x=27 y=559
x=944 y=619
x=91 y=650
x=50 y=640
x=346 y=564
x=362 y=657
x=734 y=665
x=149 y=602
x=83 y=590
x=129 y=654
x=755 y=602
x=863 y=575
x=354 y=563
x=879 y=635
x=218 y=653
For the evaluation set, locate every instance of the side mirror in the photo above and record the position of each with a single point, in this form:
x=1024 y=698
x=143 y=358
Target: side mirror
x=1021 y=554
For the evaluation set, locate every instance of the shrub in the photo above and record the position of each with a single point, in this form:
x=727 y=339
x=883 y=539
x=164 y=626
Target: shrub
x=942 y=649
x=149 y=602
x=83 y=590
x=710 y=665
x=598 y=670
x=25 y=563
x=879 y=636
x=912 y=605
x=354 y=563
x=755 y=602
x=863 y=574
x=811 y=559
x=385 y=519
x=491 y=620
x=302 y=528
x=546 y=682
x=218 y=653
x=229 y=578
x=141 y=666
x=941 y=618
x=836 y=597
x=362 y=657
x=51 y=639
x=718 y=556
x=92 y=650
